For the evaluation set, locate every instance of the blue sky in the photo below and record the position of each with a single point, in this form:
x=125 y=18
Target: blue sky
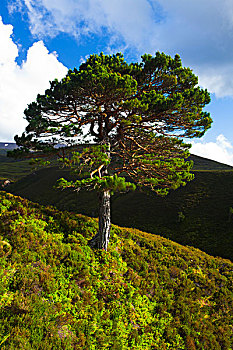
x=41 y=39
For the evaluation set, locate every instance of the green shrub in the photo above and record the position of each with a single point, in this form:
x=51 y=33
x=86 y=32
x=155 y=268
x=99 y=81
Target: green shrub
x=146 y=292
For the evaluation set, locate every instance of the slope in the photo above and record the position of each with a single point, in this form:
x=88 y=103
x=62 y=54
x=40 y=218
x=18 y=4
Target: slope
x=197 y=214
x=146 y=292
x=14 y=169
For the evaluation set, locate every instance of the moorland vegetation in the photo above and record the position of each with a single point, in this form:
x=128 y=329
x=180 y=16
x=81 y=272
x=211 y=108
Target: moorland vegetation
x=145 y=292
x=204 y=202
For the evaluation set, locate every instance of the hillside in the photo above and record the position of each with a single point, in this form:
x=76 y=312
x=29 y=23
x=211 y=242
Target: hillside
x=201 y=163
x=14 y=169
x=146 y=292
x=204 y=203
x=7 y=146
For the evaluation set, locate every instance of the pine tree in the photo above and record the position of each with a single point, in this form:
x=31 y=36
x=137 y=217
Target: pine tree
x=133 y=118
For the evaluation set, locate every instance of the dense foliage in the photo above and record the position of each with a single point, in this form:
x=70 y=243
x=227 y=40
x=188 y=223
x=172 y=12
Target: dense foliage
x=146 y=292
x=136 y=115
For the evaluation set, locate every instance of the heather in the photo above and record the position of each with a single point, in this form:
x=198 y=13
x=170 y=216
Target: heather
x=145 y=292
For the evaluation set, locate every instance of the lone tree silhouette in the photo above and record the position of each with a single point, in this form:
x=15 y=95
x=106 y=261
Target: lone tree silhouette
x=133 y=118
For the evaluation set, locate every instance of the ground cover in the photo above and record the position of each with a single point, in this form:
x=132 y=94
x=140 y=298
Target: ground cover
x=146 y=292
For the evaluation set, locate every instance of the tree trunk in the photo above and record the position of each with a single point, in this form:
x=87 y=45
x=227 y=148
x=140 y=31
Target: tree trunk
x=101 y=239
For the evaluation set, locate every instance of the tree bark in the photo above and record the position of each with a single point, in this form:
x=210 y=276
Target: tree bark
x=101 y=239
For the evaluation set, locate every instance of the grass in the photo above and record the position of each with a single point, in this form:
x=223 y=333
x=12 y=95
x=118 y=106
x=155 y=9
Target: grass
x=146 y=292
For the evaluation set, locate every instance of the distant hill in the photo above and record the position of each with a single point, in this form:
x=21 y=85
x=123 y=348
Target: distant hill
x=12 y=169
x=146 y=292
x=8 y=145
x=204 y=204
x=201 y=163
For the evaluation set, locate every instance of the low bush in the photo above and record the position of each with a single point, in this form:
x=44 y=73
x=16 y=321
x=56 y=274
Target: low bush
x=146 y=292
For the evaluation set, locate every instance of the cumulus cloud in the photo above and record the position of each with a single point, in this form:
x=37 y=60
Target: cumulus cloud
x=200 y=31
x=221 y=150
x=19 y=85
x=128 y=20
x=217 y=80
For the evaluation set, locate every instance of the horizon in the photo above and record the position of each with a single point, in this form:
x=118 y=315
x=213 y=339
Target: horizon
x=41 y=41
x=6 y=144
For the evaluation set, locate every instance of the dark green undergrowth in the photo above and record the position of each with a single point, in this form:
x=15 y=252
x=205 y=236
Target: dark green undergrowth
x=146 y=292
x=204 y=203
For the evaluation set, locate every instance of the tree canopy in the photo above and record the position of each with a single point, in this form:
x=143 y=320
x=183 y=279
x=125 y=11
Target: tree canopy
x=132 y=119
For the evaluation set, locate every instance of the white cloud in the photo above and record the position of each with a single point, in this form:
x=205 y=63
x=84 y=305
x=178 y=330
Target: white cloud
x=217 y=80
x=200 y=31
x=19 y=85
x=220 y=151
x=129 y=20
